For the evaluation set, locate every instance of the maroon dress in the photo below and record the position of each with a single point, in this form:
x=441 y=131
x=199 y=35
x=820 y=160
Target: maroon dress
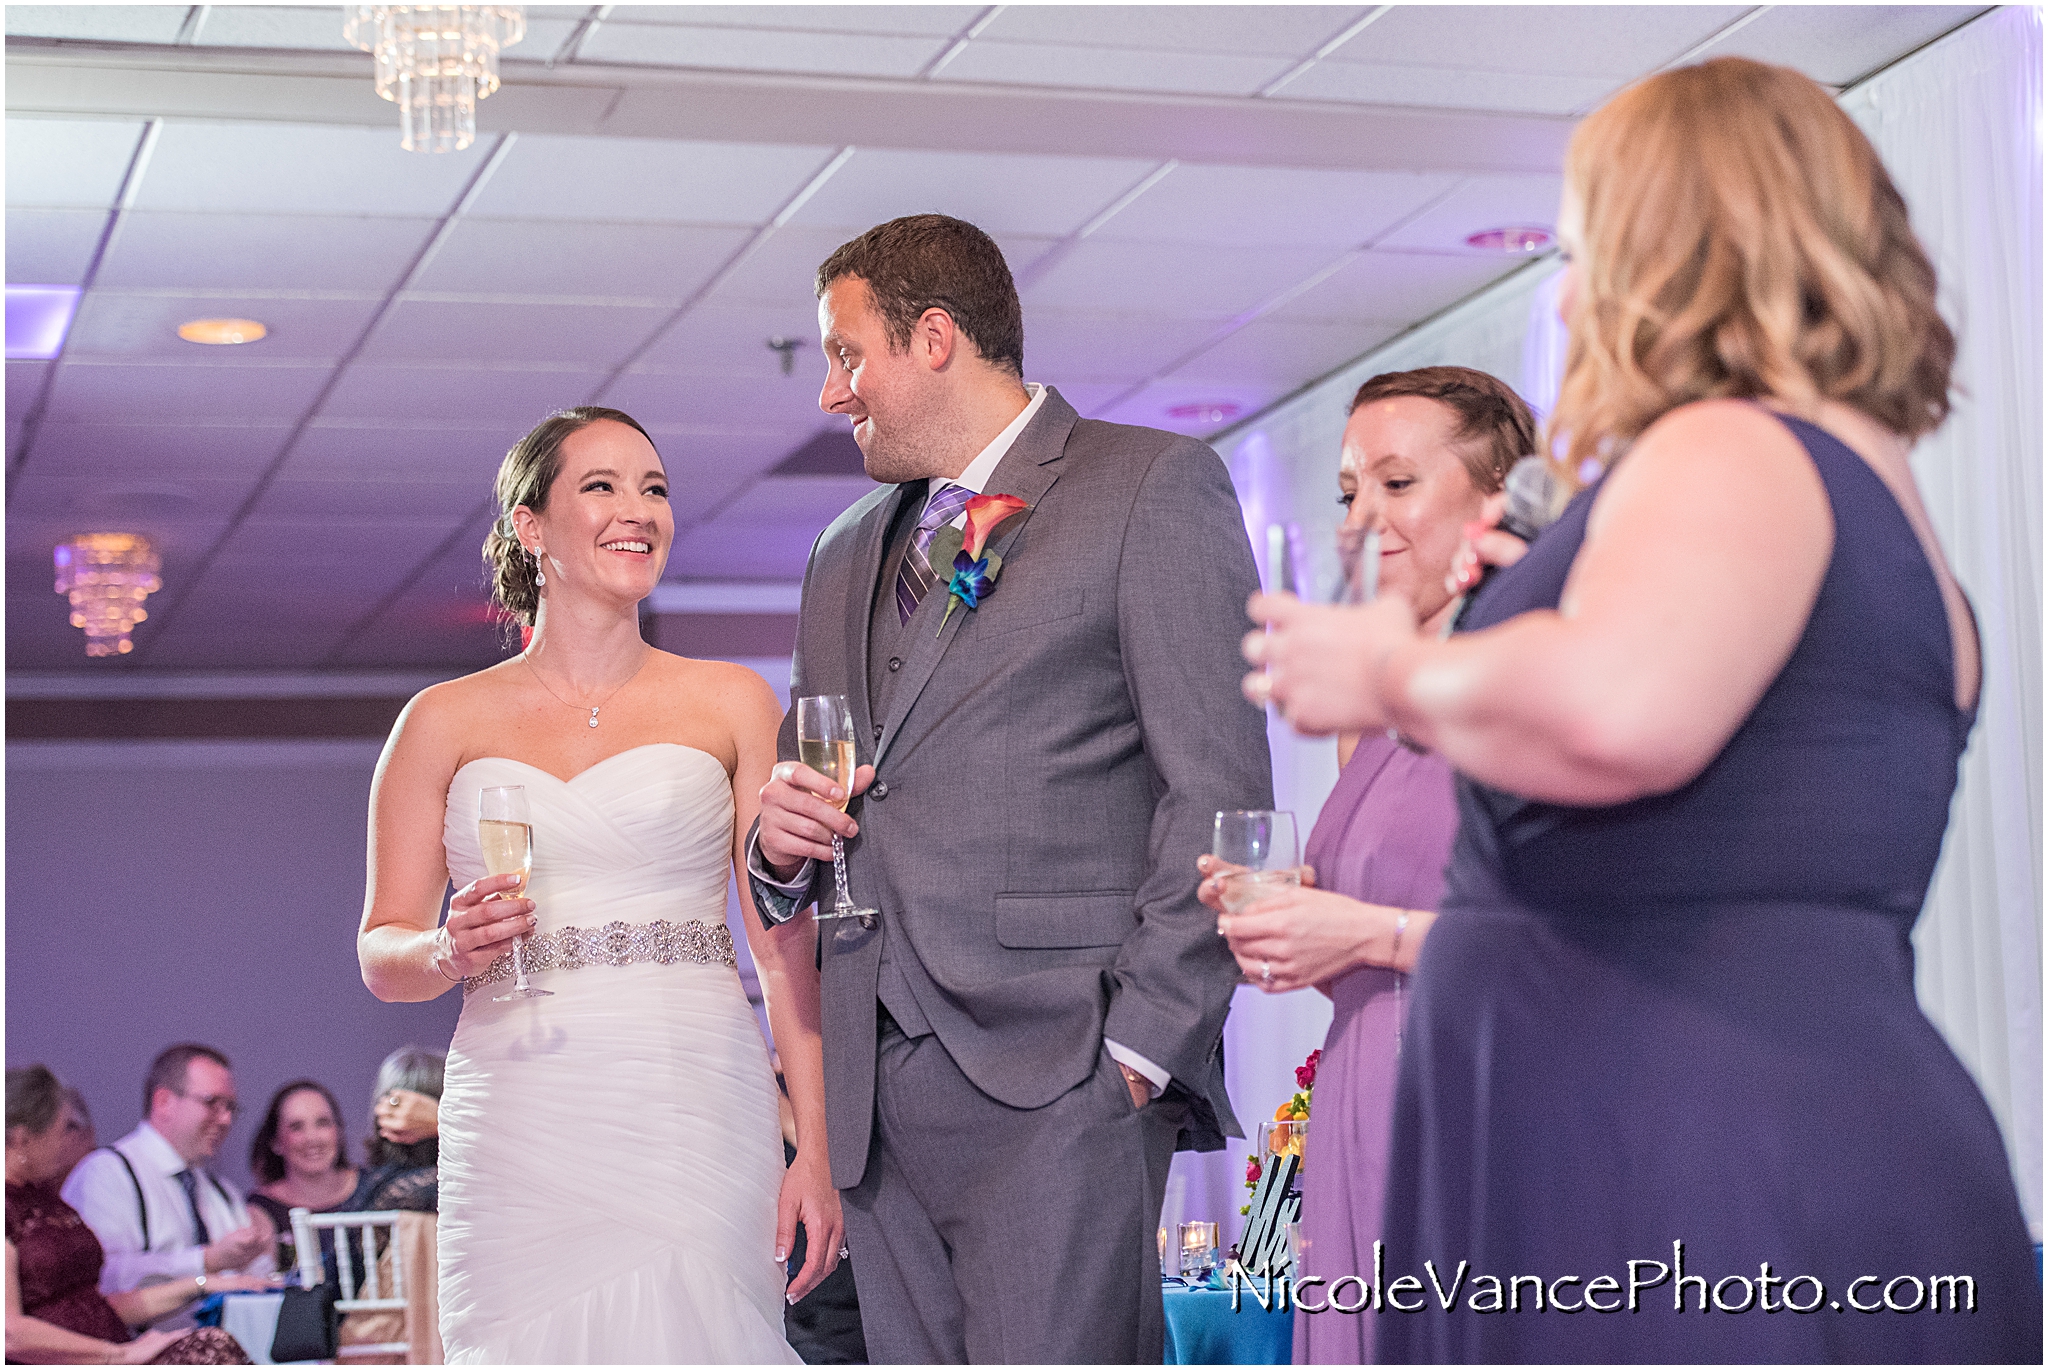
x=1384 y=837
x=59 y=1259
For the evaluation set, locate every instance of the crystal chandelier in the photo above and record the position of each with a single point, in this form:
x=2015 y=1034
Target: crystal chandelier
x=107 y=576
x=435 y=62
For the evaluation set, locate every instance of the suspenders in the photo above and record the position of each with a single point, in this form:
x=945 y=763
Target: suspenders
x=142 y=1205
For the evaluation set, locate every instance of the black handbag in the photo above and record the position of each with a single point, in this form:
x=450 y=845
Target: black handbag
x=308 y=1325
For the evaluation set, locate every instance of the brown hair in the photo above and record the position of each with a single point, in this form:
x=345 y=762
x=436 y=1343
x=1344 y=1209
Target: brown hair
x=1741 y=239
x=525 y=477
x=1495 y=426
x=267 y=1164
x=929 y=261
x=33 y=1099
x=169 y=1069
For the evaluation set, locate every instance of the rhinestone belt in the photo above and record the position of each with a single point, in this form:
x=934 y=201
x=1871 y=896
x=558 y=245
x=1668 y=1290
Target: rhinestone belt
x=617 y=944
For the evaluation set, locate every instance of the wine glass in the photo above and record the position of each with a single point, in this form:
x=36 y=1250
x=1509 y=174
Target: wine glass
x=505 y=831
x=1262 y=854
x=824 y=742
x=1358 y=566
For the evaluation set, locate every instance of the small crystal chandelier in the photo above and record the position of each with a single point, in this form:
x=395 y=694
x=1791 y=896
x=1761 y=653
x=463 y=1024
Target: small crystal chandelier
x=435 y=62
x=107 y=576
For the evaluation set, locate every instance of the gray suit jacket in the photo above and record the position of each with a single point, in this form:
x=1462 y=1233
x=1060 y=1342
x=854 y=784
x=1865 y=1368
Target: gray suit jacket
x=1048 y=766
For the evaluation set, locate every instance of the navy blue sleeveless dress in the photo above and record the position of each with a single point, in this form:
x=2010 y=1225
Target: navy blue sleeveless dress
x=1682 y=1031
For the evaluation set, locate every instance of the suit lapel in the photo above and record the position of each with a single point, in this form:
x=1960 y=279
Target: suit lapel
x=870 y=546
x=1027 y=471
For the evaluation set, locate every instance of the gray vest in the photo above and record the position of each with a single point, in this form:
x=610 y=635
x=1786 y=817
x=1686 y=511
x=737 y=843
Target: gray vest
x=888 y=645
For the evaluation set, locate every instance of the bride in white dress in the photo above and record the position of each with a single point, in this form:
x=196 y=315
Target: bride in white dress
x=612 y=1186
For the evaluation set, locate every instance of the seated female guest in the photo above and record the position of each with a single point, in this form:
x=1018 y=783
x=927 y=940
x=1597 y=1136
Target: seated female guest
x=56 y=1314
x=301 y=1156
x=405 y=1150
x=1422 y=451
x=1706 y=734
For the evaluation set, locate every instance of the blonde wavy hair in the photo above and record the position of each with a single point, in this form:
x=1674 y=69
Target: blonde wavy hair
x=1740 y=239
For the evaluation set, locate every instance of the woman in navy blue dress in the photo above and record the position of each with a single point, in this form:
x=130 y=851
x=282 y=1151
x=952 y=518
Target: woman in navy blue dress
x=1666 y=1093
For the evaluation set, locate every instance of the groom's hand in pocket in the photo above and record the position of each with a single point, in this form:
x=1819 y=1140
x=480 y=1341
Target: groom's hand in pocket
x=800 y=810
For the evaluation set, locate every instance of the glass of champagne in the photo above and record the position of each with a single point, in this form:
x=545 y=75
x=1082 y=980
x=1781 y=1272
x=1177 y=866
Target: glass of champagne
x=824 y=742
x=1358 y=566
x=505 y=831
x=1262 y=852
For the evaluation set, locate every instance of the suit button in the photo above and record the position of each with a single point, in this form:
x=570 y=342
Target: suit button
x=878 y=732
x=878 y=791
x=895 y=663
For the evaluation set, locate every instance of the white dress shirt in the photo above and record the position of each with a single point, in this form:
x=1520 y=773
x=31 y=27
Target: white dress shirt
x=975 y=477
x=105 y=1197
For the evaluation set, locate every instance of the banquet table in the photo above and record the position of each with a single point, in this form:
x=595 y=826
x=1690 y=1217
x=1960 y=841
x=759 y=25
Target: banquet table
x=251 y=1319
x=1202 y=1329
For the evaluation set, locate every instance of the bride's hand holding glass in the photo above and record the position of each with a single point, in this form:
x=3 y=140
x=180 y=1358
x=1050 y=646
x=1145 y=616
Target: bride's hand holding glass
x=480 y=929
x=1321 y=664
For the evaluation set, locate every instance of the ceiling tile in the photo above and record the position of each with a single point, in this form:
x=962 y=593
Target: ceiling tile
x=908 y=19
x=148 y=452
x=708 y=465
x=24 y=382
x=92 y=497
x=1839 y=44
x=997 y=192
x=105 y=391
x=806 y=501
x=519 y=397
x=1272 y=206
x=113 y=322
x=732 y=340
x=1523 y=92
x=273 y=26
x=99 y=23
x=773 y=403
x=1089 y=398
x=783 y=270
x=66 y=162
x=646 y=180
x=1480 y=203
x=1608 y=41
x=1396 y=287
x=831 y=54
x=1284 y=353
x=401 y=455
x=1266 y=30
x=338 y=553
x=586 y=334
x=1105 y=346
x=357 y=253
x=52 y=246
x=291 y=499
x=299 y=169
x=1170 y=278
x=553 y=257
x=730 y=548
x=1038 y=64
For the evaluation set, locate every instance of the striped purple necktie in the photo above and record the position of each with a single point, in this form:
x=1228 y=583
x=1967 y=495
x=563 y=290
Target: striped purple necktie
x=917 y=577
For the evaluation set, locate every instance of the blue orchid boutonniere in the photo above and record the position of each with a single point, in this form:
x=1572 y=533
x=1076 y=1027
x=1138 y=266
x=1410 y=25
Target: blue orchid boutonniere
x=974 y=569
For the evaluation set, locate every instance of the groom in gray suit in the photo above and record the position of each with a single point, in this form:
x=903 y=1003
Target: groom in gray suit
x=1032 y=1023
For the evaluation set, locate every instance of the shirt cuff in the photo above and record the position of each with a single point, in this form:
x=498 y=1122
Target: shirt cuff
x=1124 y=1056
x=776 y=901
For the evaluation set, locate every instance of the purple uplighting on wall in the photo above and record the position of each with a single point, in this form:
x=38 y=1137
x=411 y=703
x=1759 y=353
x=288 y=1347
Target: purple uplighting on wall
x=38 y=317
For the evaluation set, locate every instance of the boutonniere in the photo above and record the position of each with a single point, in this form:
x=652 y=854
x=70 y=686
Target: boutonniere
x=974 y=569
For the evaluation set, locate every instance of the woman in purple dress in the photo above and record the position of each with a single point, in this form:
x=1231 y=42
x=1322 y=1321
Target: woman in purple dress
x=1666 y=1092
x=1423 y=450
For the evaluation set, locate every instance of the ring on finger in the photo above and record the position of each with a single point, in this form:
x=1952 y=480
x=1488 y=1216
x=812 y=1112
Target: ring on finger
x=1266 y=974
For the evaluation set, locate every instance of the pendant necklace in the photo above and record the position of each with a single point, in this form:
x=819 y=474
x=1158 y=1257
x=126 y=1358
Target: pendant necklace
x=580 y=707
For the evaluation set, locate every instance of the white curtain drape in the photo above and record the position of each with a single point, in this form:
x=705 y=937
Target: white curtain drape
x=1959 y=124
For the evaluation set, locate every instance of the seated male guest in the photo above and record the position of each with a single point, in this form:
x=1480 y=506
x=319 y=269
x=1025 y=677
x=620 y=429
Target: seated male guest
x=157 y=1209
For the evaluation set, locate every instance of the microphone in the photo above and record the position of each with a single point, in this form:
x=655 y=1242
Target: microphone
x=1535 y=498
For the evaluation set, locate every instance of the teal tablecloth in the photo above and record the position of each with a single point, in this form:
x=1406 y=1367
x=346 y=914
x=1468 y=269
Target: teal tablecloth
x=1201 y=1329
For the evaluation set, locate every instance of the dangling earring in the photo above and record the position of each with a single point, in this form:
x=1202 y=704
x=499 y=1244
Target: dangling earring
x=539 y=576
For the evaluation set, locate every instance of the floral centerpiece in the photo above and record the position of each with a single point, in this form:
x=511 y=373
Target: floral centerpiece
x=1287 y=1140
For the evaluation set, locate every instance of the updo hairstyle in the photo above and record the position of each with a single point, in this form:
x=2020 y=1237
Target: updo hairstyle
x=1495 y=426
x=526 y=476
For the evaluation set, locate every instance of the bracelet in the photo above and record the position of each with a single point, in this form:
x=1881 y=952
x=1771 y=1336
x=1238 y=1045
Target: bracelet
x=1400 y=930
x=444 y=952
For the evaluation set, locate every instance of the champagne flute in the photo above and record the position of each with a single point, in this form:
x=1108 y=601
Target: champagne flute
x=1262 y=852
x=824 y=742
x=505 y=831
x=1358 y=566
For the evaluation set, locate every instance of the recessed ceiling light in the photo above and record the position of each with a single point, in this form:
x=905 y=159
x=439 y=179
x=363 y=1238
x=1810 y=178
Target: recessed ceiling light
x=221 y=332
x=1517 y=241
x=1204 y=411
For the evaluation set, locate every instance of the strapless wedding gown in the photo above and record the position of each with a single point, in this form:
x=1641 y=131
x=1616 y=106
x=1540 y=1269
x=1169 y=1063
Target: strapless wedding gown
x=610 y=1156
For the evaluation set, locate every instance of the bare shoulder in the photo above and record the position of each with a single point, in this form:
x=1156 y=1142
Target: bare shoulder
x=437 y=724
x=719 y=698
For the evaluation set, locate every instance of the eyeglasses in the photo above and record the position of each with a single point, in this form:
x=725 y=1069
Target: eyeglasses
x=213 y=1103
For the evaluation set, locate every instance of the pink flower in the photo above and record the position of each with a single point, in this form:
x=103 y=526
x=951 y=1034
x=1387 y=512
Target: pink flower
x=984 y=512
x=1305 y=1074
x=1252 y=1171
